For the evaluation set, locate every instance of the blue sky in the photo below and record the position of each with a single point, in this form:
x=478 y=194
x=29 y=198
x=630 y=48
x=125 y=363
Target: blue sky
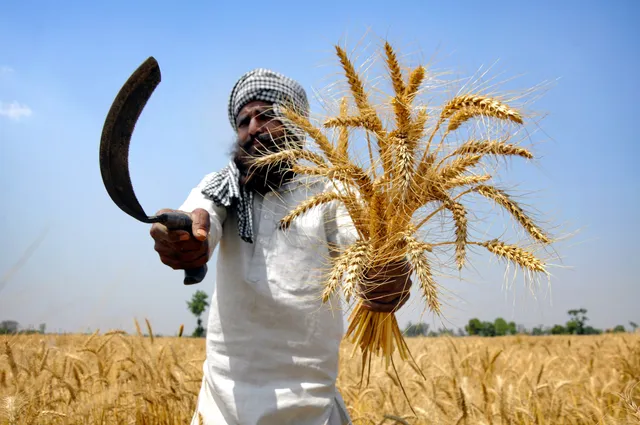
x=61 y=64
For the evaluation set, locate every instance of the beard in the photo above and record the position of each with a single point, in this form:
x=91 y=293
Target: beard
x=260 y=179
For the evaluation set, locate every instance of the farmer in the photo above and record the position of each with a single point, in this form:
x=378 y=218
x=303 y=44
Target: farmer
x=272 y=347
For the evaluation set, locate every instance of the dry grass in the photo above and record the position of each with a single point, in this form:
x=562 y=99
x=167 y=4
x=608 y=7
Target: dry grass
x=422 y=160
x=119 y=379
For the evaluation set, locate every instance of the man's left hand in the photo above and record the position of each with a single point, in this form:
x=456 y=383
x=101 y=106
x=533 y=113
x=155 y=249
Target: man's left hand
x=386 y=288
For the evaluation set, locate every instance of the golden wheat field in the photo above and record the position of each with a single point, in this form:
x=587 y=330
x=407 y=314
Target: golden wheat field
x=113 y=378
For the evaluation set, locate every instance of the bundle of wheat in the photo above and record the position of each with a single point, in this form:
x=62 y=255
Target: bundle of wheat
x=409 y=182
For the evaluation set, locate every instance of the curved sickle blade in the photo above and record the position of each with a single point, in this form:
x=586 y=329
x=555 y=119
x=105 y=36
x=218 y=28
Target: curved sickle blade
x=116 y=136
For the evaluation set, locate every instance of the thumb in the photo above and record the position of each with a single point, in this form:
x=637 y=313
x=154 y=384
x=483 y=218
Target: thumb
x=201 y=223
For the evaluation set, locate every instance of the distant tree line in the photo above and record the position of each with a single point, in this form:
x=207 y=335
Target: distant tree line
x=13 y=327
x=576 y=325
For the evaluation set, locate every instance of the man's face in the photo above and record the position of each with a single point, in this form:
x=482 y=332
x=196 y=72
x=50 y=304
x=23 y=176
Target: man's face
x=258 y=134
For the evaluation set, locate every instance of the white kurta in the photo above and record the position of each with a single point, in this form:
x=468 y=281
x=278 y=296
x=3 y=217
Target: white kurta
x=272 y=347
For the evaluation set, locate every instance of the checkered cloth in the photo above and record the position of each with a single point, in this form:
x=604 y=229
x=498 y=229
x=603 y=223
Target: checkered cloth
x=224 y=189
x=268 y=86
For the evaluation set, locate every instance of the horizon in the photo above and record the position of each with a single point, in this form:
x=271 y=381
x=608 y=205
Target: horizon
x=73 y=260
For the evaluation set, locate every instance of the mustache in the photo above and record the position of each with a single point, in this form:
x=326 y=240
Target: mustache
x=260 y=141
x=253 y=147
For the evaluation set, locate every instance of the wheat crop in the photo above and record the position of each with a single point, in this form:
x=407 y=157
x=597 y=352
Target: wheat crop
x=114 y=378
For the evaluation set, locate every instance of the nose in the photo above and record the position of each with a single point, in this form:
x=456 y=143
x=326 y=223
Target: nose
x=255 y=126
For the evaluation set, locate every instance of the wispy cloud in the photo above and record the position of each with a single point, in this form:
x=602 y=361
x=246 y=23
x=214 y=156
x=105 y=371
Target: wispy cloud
x=14 y=110
x=5 y=70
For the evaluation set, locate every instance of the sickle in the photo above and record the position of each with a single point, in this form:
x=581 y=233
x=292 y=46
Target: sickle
x=114 y=153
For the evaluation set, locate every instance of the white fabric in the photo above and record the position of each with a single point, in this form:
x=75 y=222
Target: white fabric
x=272 y=347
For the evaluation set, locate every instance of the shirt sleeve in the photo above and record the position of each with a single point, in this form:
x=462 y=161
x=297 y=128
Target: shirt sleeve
x=217 y=215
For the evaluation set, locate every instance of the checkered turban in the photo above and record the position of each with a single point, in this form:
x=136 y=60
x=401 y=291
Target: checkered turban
x=268 y=86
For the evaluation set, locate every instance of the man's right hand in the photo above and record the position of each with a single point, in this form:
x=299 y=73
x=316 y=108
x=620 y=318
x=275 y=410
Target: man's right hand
x=180 y=249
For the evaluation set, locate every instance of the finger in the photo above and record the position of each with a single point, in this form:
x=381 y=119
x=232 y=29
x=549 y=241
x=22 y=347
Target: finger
x=384 y=306
x=382 y=298
x=190 y=245
x=191 y=256
x=178 y=236
x=392 y=289
x=378 y=307
x=197 y=261
x=201 y=223
x=165 y=250
x=180 y=263
x=159 y=232
x=184 y=251
x=171 y=262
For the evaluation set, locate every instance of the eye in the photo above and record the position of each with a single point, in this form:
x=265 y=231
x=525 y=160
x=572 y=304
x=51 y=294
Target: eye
x=243 y=121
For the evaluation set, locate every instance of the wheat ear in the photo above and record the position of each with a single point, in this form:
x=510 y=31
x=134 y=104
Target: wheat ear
x=458 y=166
x=515 y=254
x=462 y=116
x=415 y=81
x=358 y=92
x=487 y=105
x=323 y=142
x=492 y=147
x=501 y=198
x=357 y=259
x=417 y=257
x=290 y=155
x=306 y=205
x=465 y=181
x=460 y=220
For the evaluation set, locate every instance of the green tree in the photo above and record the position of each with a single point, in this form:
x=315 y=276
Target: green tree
x=488 y=329
x=619 y=329
x=513 y=329
x=572 y=327
x=474 y=327
x=501 y=326
x=634 y=326
x=578 y=319
x=558 y=330
x=197 y=306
